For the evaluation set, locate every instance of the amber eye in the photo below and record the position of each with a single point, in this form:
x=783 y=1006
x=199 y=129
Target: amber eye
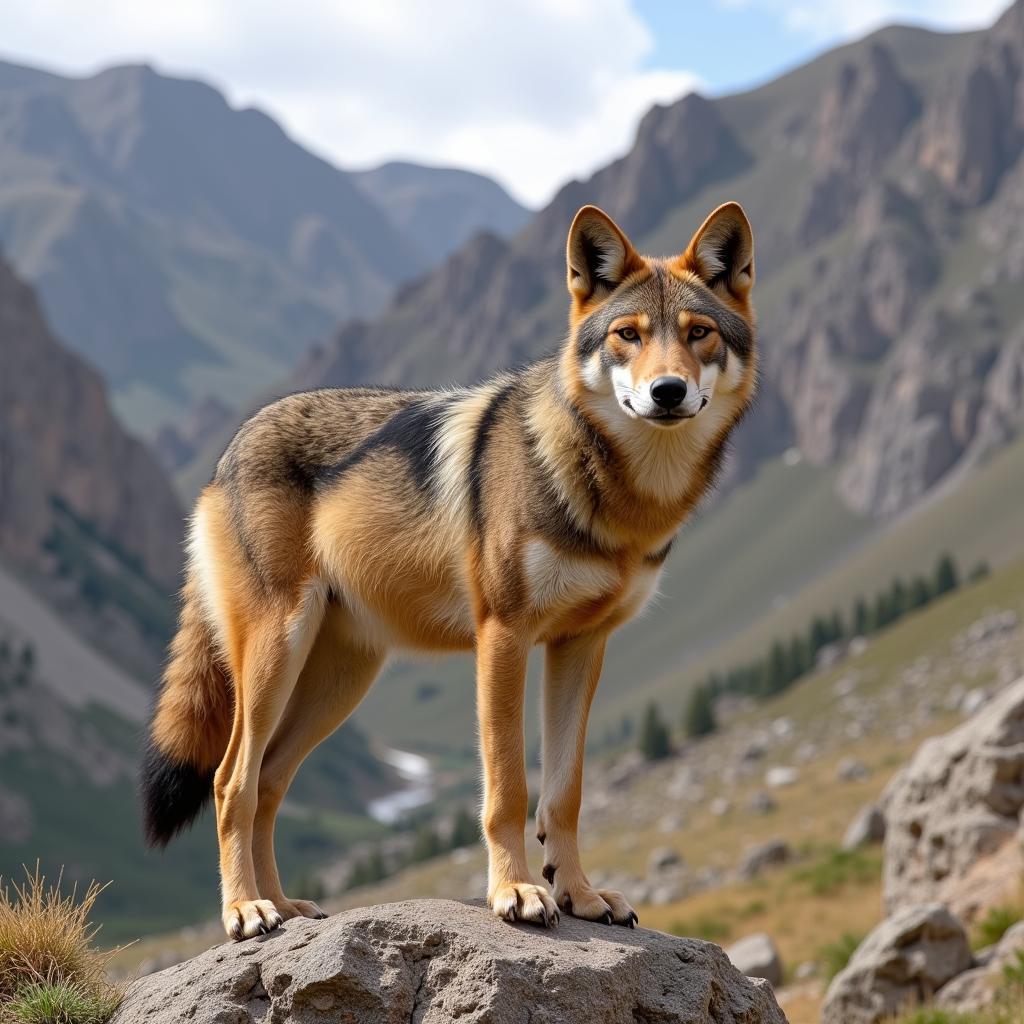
x=699 y=331
x=628 y=334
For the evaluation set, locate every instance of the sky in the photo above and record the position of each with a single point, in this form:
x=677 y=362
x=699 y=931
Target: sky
x=531 y=92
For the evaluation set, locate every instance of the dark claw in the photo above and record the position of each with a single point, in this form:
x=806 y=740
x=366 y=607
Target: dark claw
x=606 y=917
x=633 y=919
x=548 y=871
x=321 y=916
x=264 y=928
x=236 y=931
x=555 y=918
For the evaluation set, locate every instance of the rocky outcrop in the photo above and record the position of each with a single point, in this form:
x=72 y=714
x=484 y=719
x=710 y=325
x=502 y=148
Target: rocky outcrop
x=757 y=956
x=901 y=964
x=956 y=804
x=434 y=961
x=977 y=988
x=861 y=120
x=974 y=128
x=60 y=445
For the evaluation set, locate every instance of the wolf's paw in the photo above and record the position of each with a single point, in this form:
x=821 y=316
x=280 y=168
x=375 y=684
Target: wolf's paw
x=291 y=909
x=307 y=908
x=245 y=919
x=524 y=901
x=604 y=905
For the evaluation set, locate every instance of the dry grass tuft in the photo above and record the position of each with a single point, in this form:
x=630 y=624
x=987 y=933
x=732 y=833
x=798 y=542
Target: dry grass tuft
x=50 y=971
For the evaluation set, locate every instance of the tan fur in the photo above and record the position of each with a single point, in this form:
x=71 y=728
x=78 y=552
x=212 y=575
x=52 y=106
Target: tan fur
x=534 y=508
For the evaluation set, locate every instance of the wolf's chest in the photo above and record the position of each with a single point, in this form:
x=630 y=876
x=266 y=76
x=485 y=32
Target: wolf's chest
x=578 y=592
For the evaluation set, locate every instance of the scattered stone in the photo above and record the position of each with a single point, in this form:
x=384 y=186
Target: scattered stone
x=773 y=853
x=850 y=769
x=720 y=807
x=867 y=827
x=902 y=963
x=955 y=804
x=808 y=969
x=439 y=960
x=757 y=957
x=664 y=858
x=973 y=701
x=762 y=803
x=781 y=776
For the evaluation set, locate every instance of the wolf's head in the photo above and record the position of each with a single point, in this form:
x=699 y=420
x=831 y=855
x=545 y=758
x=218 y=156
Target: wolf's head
x=658 y=340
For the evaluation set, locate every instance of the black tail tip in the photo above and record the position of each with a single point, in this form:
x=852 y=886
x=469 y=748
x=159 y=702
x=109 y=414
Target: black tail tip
x=173 y=794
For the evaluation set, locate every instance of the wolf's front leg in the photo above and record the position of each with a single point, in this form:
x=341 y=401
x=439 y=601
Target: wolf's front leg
x=572 y=669
x=501 y=680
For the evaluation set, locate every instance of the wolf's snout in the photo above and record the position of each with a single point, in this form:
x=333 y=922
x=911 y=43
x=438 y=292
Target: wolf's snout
x=668 y=392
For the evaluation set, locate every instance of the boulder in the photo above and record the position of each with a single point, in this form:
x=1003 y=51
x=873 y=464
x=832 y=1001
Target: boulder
x=757 y=957
x=901 y=964
x=866 y=828
x=434 y=961
x=764 y=855
x=976 y=989
x=957 y=803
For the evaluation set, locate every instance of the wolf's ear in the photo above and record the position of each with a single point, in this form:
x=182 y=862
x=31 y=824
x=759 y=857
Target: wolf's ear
x=599 y=256
x=721 y=254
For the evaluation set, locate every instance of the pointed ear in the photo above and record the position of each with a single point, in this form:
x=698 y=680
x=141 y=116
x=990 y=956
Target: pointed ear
x=599 y=256
x=721 y=254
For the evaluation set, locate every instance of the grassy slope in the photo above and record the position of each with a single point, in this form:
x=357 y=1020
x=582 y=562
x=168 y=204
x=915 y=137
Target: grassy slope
x=978 y=520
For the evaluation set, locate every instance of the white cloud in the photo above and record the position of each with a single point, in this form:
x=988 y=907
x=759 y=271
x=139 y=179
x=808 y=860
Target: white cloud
x=841 y=19
x=533 y=92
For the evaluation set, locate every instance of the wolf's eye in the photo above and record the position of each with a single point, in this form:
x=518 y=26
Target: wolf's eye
x=628 y=334
x=699 y=331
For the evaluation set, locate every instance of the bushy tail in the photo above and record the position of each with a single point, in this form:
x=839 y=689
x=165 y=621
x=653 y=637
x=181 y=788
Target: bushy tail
x=189 y=730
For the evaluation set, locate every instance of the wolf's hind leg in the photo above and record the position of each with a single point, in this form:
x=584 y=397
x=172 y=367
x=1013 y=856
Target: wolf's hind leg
x=334 y=680
x=572 y=669
x=265 y=665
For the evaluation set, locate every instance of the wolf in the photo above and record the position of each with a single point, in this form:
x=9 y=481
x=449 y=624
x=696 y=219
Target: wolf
x=536 y=508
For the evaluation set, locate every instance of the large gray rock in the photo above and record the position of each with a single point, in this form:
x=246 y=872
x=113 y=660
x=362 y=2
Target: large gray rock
x=434 y=961
x=977 y=988
x=756 y=956
x=956 y=803
x=901 y=964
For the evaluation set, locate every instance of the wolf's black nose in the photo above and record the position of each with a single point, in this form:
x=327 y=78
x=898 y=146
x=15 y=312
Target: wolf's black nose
x=668 y=392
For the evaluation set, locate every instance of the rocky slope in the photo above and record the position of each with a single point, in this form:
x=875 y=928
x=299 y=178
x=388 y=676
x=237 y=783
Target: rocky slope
x=882 y=180
x=433 y=961
x=441 y=208
x=188 y=248
x=65 y=459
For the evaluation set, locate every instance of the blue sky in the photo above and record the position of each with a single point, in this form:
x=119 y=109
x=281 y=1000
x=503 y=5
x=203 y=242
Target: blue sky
x=532 y=92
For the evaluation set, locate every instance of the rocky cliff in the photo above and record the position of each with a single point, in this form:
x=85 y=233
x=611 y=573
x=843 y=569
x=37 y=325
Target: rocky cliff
x=434 y=961
x=66 y=462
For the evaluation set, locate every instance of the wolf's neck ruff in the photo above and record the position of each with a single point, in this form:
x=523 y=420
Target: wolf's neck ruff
x=537 y=507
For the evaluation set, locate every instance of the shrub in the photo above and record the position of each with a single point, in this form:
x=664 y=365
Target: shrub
x=655 y=743
x=44 y=1002
x=699 y=719
x=836 y=955
x=50 y=971
x=994 y=925
x=841 y=868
